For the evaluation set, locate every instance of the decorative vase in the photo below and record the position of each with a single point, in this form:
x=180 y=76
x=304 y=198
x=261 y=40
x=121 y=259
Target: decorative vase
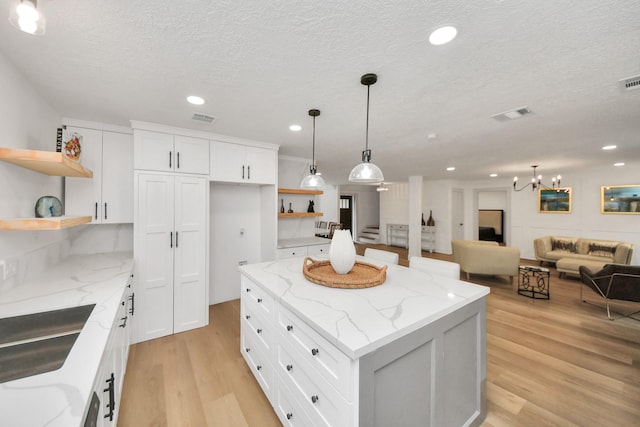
x=281 y=205
x=290 y=210
x=423 y=223
x=430 y=221
x=310 y=208
x=342 y=252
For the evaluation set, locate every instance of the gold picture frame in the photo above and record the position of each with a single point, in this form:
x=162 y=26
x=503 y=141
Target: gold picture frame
x=620 y=199
x=556 y=200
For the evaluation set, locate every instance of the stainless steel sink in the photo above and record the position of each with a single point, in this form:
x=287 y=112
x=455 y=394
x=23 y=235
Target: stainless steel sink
x=36 y=343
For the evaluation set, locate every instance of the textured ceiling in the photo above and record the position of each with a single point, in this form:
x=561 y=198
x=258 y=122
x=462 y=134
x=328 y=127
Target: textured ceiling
x=261 y=65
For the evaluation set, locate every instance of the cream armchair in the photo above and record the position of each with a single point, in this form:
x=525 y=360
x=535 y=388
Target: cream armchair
x=483 y=257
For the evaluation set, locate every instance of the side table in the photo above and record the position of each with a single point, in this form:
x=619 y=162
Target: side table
x=534 y=282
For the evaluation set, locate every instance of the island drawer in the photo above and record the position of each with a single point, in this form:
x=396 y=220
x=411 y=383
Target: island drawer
x=258 y=360
x=256 y=297
x=285 y=253
x=255 y=323
x=319 y=250
x=322 y=403
x=324 y=357
x=288 y=407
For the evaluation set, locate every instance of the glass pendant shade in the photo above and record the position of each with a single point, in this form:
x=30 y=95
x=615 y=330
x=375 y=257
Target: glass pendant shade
x=24 y=15
x=366 y=172
x=313 y=181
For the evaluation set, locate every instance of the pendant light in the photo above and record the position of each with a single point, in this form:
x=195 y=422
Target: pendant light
x=24 y=15
x=367 y=171
x=313 y=181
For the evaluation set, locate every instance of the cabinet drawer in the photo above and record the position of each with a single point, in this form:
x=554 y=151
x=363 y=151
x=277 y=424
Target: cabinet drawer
x=258 y=326
x=292 y=252
x=319 y=399
x=288 y=408
x=258 y=360
x=256 y=297
x=330 y=362
x=319 y=250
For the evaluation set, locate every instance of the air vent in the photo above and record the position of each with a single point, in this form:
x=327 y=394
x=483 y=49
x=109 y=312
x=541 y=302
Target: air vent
x=630 y=83
x=511 y=114
x=203 y=117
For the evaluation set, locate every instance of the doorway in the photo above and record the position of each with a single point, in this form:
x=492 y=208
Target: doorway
x=346 y=213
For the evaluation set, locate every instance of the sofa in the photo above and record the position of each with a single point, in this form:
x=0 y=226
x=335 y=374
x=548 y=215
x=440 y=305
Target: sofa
x=483 y=257
x=569 y=253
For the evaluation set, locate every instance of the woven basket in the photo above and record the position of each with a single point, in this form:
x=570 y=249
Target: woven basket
x=362 y=275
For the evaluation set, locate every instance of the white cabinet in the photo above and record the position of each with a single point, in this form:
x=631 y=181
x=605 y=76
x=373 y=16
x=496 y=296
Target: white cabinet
x=242 y=163
x=108 y=197
x=171 y=249
x=310 y=250
x=164 y=152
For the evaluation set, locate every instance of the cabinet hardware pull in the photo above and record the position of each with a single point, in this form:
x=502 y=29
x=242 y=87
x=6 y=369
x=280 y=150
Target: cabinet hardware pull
x=259 y=300
x=105 y=211
x=112 y=400
x=314 y=398
x=289 y=328
x=247 y=317
x=169 y=159
x=96 y=215
x=171 y=239
x=247 y=349
x=289 y=415
x=178 y=160
x=258 y=367
x=122 y=303
x=176 y=239
x=248 y=289
x=124 y=323
x=242 y=171
x=133 y=305
x=315 y=351
x=259 y=330
x=289 y=367
x=249 y=172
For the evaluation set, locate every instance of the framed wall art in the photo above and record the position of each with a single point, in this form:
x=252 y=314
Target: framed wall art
x=556 y=200
x=620 y=199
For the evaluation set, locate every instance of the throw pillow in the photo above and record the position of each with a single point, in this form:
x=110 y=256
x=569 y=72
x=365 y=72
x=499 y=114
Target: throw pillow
x=564 y=245
x=606 y=249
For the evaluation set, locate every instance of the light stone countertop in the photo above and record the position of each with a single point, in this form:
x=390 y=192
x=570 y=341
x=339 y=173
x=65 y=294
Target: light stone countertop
x=359 y=321
x=302 y=241
x=60 y=398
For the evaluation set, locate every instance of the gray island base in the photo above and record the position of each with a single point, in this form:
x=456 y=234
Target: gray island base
x=410 y=352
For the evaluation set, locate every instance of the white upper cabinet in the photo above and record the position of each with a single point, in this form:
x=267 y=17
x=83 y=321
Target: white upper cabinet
x=242 y=163
x=108 y=197
x=170 y=153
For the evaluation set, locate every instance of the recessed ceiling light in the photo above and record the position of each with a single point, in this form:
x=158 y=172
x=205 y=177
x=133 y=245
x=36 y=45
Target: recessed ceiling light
x=493 y=175
x=432 y=136
x=451 y=168
x=609 y=147
x=443 y=35
x=295 y=128
x=195 y=100
x=618 y=164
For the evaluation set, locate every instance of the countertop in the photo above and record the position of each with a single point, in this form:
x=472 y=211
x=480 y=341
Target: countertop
x=359 y=321
x=60 y=398
x=302 y=241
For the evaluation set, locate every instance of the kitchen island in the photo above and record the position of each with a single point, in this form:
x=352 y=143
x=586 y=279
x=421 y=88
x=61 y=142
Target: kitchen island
x=62 y=397
x=411 y=351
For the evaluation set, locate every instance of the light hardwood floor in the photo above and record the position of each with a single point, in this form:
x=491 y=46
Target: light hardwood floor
x=549 y=363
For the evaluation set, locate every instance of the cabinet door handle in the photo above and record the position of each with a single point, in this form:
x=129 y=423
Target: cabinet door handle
x=169 y=159
x=176 y=239
x=315 y=351
x=171 y=239
x=258 y=367
x=314 y=398
x=178 y=160
x=249 y=172
x=289 y=328
x=247 y=317
x=132 y=297
x=248 y=289
x=111 y=389
x=105 y=211
x=242 y=171
x=289 y=367
x=96 y=214
x=259 y=300
x=247 y=349
x=124 y=322
x=259 y=330
x=289 y=415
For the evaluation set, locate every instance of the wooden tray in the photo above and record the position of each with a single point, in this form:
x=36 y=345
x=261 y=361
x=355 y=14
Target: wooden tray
x=362 y=275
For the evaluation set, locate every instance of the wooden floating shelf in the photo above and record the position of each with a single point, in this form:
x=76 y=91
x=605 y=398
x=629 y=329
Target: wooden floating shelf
x=299 y=214
x=47 y=162
x=298 y=191
x=52 y=223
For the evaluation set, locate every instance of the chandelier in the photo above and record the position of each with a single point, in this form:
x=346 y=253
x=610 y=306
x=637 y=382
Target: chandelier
x=536 y=182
